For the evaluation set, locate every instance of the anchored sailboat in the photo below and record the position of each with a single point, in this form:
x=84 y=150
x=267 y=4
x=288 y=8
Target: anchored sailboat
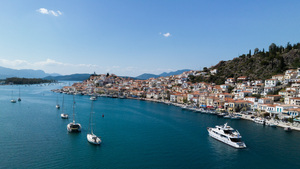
x=12 y=100
x=73 y=126
x=91 y=137
x=19 y=99
x=63 y=115
x=57 y=105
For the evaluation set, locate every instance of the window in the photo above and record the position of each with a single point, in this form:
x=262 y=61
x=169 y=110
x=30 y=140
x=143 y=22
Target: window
x=235 y=139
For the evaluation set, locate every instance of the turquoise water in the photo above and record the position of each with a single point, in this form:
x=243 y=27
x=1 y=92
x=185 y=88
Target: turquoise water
x=135 y=134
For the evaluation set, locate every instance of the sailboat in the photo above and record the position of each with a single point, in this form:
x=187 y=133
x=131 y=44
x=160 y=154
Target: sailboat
x=57 y=105
x=19 y=99
x=73 y=126
x=12 y=100
x=63 y=115
x=91 y=137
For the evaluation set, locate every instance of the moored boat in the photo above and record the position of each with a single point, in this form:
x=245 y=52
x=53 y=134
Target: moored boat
x=235 y=117
x=287 y=129
x=227 y=117
x=93 y=98
x=12 y=100
x=64 y=116
x=73 y=126
x=91 y=137
x=227 y=135
x=259 y=120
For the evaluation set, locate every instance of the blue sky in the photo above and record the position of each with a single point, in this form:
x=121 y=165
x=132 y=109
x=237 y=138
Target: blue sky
x=131 y=37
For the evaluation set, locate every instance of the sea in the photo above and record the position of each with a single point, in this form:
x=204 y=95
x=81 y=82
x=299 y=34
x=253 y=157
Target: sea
x=135 y=135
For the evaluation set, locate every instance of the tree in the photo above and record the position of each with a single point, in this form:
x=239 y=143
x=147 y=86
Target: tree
x=205 y=69
x=256 y=50
x=288 y=46
x=272 y=49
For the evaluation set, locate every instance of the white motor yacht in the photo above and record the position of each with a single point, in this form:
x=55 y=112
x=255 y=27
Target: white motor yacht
x=227 y=135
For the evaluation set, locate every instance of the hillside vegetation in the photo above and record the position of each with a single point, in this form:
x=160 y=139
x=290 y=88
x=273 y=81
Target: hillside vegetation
x=260 y=65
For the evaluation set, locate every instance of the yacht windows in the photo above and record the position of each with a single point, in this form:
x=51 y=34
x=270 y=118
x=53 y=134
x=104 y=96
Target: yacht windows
x=227 y=131
x=235 y=139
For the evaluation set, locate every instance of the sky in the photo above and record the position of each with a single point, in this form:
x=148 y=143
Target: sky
x=132 y=37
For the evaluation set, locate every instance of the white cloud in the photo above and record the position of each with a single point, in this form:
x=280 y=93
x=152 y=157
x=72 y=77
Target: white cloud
x=166 y=34
x=49 y=12
x=43 y=11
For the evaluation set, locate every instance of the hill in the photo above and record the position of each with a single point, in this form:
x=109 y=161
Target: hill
x=164 y=74
x=260 y=65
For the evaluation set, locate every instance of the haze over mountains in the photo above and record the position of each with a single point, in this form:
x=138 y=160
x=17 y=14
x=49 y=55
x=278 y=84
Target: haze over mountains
x=26 y=73
x=29 y=73
x=164 y=74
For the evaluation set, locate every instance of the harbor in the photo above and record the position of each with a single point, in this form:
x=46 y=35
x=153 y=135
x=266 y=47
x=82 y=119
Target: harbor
x=243 y=115
x=134 y=134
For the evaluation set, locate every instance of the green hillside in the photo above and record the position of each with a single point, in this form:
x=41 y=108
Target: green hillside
x=260 y=65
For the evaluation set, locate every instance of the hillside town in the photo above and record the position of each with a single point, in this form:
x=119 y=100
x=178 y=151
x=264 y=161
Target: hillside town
x=276 y=98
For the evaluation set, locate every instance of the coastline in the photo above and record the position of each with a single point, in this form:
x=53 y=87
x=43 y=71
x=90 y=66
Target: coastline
x=294 y=126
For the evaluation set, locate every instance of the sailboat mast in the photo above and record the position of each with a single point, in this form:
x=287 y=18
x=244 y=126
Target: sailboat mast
x=92 y=117
x=63 y=104
x=73 y=109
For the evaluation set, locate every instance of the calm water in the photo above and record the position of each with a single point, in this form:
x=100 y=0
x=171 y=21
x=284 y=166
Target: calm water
x=135 y=134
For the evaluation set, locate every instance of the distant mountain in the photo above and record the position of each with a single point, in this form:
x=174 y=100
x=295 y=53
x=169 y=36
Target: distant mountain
x=164 y=74
x=146 y=76
x=26 y=73
x=178 y=72
x=72 y=77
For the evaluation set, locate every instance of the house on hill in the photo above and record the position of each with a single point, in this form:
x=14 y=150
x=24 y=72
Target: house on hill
x=242 y=78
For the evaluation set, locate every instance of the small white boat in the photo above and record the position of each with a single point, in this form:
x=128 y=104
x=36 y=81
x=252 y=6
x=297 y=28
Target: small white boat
x=271 y=124
x=64 y=116
x=235 y=117
x=259 y=120
x=227 y=135
x=93 y=98
x=221 y=114
x=227 y=117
